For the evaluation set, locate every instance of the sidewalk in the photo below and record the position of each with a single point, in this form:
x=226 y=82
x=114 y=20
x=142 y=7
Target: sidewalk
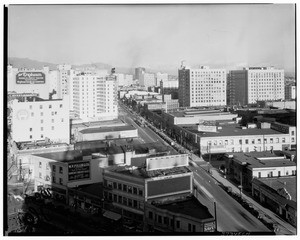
x=284 y=227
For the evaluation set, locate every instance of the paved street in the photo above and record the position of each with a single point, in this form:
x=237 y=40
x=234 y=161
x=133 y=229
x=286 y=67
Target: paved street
x=231 y=216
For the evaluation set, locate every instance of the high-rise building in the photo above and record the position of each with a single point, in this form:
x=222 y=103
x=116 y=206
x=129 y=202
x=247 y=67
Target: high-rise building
x=148 y=80
x=37 y=119
x=64 y=80
x=95 y=96
x=290 y=91
x=139 y=72
x=254 y=84
x=201 y=87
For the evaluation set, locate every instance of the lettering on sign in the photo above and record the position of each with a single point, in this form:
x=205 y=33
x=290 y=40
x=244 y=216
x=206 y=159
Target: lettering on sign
x=30 y=78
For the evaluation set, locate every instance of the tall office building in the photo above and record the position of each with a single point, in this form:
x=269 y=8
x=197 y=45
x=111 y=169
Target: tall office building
x=148 y=80
x=139 y=72
x=255 y=84
x=64 y=80
x=201 y=87
x=95 y=96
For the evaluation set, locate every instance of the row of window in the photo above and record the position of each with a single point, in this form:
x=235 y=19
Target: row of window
x=169 y=221
x=133 y=203
x=50 y=106
x=270 y=174
x=248 y=141
x=123 y=187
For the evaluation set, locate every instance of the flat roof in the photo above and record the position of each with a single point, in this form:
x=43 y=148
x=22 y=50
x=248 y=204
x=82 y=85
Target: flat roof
x=188 y=206
x=96 y=123
x=107 y=129
x=199 y=113
x=142 y=173
x=287 y=182
x=95 y=189
x=232 y=130
x=76 y=155
x=261 y=159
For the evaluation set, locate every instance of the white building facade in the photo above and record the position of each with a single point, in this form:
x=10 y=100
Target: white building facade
x=202 y=87
x=41 y=120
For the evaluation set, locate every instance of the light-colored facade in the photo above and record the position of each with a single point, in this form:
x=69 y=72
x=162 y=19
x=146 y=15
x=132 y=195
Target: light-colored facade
x=202 y=87
x=148 y=80
x=40 y=120
x=290 y=92
x=255 y=84
x=64 y=80
x=95 y=97
x=29 y=81
x=161 y=77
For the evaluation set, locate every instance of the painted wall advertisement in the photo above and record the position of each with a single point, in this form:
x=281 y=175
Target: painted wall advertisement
x=30 y=78
x=79 y=171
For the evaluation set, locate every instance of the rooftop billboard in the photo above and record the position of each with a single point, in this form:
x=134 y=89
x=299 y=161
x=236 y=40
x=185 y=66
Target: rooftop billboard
x=30 y=78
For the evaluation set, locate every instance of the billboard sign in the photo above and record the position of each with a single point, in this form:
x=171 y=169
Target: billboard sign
x=30 y=78
x=80 y=170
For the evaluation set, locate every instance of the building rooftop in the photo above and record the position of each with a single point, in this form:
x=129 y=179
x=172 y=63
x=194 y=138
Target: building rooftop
x=260 y=159
x=35 y=99
x=142 y=173
x=198 y=113
x=107 y=129
x=115 y=122
x=232 y=130
x=94 y=189
x=189 y=206
x=289 y=183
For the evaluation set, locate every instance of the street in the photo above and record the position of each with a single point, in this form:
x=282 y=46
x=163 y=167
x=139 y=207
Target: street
x=231 y=216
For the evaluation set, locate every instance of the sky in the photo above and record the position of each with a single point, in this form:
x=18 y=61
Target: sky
x=229 y=36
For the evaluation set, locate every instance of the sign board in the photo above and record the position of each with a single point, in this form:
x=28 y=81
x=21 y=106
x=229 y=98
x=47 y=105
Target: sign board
x=30 y=78
x=209 y=227
x=80 y=170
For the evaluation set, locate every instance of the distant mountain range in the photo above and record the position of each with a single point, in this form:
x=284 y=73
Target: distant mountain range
x=29 y=63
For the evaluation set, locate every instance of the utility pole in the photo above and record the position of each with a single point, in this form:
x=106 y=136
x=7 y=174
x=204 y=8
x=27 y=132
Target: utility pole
x=216 y=223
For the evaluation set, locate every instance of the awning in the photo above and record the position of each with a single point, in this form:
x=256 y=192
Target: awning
x=112 y=215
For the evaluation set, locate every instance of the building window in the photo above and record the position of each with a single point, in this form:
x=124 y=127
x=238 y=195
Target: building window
x=125 y=188
x=62 y=120
x=279 y=173
x=293 y=133
x=178 y=224
x=247 y=141
x=125 y=201
x=159 y=219
x=32 y=114
x=194 y=228
x=53 y=179
x=277 y=140
x=271 y=140
x=41 y=106
x=259 y=141
x=40 y=175
x=287 y=173
x=293 y=172
x=30 y=106
x=135 y=205
x=150 y=215
x=30 y=129
x=135 y=190
x=140 y=192
x=166 y=220
x=42 y=136
x=259 y=174
x=129 y=189
x=240 y=141
x=40 y=164
x=50 y=106
x=52 y=120
x=120 y=186
x=60 y=181
x=283 y=140
x=293 y=139
x=120 y=199
x=253 y=141
x=42 y=114
x=190 y=227
x=42 y=121
x=60 y=170
x=42 y=128
x=115 y=197
x=52 y=127
x=53 y=168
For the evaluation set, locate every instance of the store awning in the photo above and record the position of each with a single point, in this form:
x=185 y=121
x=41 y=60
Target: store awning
x=112 y=215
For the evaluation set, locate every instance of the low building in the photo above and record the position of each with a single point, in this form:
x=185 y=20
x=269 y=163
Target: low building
x=278 y=194
x=107 y=133
x=194 y=116
x=282 y=104
x=244 y=167
x=184 y=214
x=128 y=188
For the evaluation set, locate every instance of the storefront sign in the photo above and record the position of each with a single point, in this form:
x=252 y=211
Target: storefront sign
x=79 y=171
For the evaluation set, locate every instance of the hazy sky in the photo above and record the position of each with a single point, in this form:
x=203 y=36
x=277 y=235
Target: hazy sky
x=152 y=35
